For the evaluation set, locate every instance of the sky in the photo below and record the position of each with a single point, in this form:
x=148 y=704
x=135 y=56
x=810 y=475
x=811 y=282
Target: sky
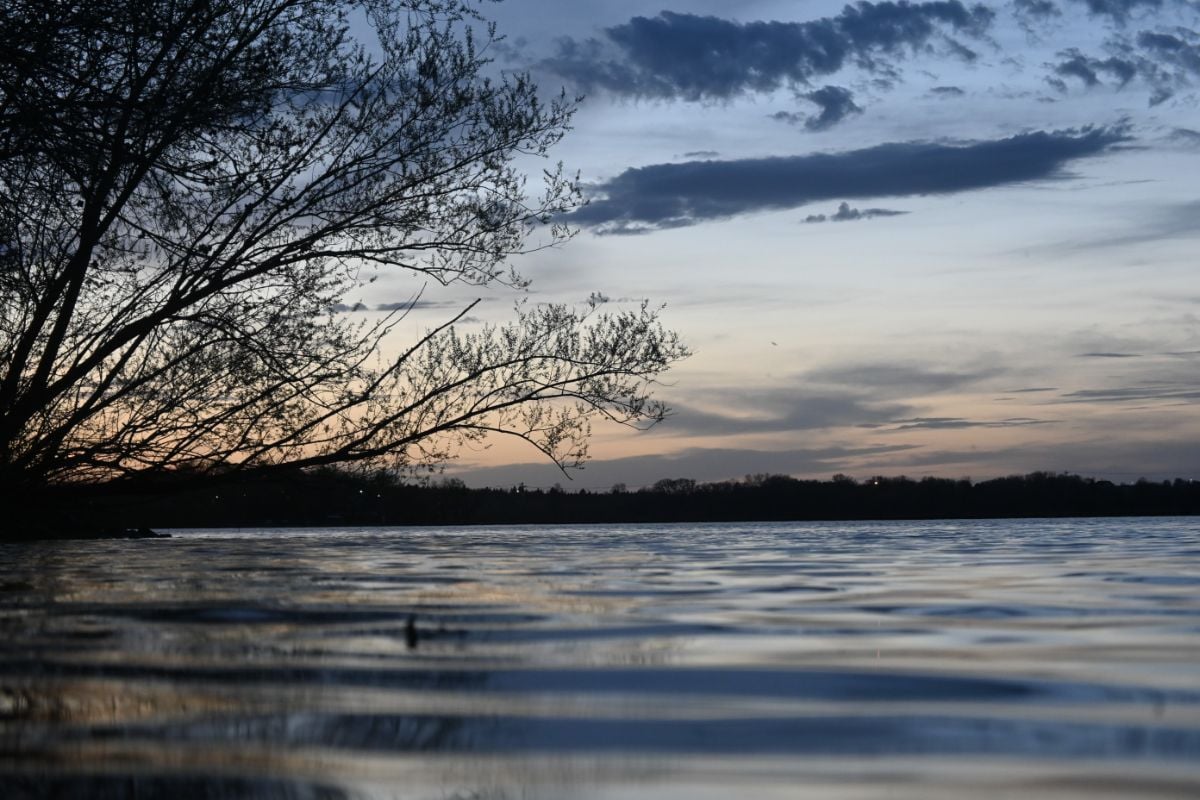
x=920 y=238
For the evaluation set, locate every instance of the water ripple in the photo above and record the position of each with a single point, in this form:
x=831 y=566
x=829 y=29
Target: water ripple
x=553 y=662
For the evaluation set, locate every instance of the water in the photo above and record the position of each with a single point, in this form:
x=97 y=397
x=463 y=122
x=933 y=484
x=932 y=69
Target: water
x=1030 y=658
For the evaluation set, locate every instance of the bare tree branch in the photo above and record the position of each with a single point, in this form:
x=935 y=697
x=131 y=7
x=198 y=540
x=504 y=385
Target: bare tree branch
x=189 y=189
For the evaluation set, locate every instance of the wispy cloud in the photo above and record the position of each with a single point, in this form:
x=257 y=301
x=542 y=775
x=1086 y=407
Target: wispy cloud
x=947 y=91
x=417 y=305
x=1173 y=48
x=958 y=423
x=896 y=380
x=847 y=214
x=1037 y=9
x=1165 y=60
x=782 y=412
x=1186 y=136
x=703 y=464
x=1173 y=221
x=1087 y=69
x=1120 y=460
x=1119 y=10
x=1138 y=394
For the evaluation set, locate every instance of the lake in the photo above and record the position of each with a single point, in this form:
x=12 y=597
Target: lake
x=946 y=659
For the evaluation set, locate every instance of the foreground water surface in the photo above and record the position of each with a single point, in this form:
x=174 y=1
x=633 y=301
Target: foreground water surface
x=1030 y=658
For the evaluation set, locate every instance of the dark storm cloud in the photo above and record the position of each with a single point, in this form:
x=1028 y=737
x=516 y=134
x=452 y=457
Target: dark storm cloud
x=690 y=57
x=847 y=214
x=664 y=196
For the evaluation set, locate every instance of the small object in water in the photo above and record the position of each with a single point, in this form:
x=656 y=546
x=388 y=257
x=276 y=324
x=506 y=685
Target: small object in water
x=410 y=631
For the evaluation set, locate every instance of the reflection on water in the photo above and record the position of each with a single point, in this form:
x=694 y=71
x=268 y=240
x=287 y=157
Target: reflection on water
x=866 y=660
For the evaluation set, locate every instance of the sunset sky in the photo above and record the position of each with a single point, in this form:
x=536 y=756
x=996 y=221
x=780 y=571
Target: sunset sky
x=902 y=238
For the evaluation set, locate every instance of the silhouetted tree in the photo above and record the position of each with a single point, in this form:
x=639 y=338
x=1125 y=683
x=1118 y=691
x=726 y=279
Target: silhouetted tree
x=674 y=486
x=189 y=189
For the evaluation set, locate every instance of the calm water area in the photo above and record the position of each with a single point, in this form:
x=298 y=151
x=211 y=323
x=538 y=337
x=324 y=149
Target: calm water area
x=947 y=659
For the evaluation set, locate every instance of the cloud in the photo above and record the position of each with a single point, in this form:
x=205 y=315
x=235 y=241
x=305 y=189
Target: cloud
x=896 y=380
x=690 y=57
x=793 y=411
x=1098 y=457
x=417 y=305
x=1173 y=221
x=857 y=395
x=836 y=104
x=1164 y=61
x=1161 y=95
x=959 y=423
x=1172 y=50
x=403 y=305
x=701 y=154
x=847 y=214
x=702 y=464
x=1118 y=10
x=1037 y=9
x=1156 y=458
x=790 y=117
x=662 y=196
x=1076 y=65
x=1140 y=394
x=946 y=91
x=1109 y=355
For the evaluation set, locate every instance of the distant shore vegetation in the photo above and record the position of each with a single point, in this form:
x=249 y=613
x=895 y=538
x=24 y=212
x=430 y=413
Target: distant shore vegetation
x=331 y=497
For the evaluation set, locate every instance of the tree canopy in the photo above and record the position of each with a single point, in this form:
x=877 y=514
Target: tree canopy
x=189 y=189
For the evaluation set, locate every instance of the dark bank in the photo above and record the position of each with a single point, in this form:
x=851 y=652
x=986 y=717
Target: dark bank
x=332 y=497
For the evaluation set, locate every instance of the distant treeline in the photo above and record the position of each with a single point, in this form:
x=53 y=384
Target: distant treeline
x=336 y=498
